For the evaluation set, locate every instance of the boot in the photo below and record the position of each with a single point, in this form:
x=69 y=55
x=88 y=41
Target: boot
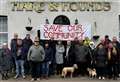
x=3 y=77
x=46 y=77
x=6 y=76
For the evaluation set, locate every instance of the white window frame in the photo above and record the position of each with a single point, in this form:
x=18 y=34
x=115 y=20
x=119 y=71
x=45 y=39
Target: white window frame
x=4 y=32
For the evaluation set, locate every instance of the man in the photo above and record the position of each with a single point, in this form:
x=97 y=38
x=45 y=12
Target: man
x=13 y=46
x=27 y=43
x=116 y=42
x=67 y=53
x=81 y=52
x=107 y=41
x=19 y=59
x=52 y=44
x=36 y=55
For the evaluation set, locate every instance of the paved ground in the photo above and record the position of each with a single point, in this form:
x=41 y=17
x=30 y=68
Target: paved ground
x=57 y=79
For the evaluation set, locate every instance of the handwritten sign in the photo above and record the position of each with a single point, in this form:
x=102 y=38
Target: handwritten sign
x=65 y=32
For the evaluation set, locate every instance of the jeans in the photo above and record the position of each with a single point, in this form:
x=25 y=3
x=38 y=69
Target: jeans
x=114 y=70
x=27 y=67
x=19 y=67
x=45 y=68
x=52 y=68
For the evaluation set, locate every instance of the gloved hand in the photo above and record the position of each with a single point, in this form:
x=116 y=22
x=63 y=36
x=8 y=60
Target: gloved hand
x=49 y=62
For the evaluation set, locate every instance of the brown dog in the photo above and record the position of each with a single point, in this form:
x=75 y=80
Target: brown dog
x=69 y=69
x=92 y=72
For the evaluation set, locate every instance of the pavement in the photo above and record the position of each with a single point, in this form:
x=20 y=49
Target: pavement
x=58 y=79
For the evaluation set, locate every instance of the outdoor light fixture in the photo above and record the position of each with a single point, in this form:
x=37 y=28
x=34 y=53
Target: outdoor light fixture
x=46 y=21
x=95 y=37
x=76 y=21
x=29 y=28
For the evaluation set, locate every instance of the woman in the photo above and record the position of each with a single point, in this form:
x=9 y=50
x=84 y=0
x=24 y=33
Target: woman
x=100 y=60
x=5 y=61
x=36 y=55
x=112 y=56
x=19 y=59
x=59 y=56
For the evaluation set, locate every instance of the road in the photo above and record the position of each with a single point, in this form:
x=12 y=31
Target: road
x=57 y=79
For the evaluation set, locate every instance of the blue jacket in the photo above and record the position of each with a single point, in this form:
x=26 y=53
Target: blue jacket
x=20 y=55
x=48 y=54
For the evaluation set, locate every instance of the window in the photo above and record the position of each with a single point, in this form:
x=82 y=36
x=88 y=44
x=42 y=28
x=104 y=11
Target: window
x=3 y=30
x=119 y=27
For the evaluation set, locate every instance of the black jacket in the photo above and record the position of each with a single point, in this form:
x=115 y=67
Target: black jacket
x=101 y=57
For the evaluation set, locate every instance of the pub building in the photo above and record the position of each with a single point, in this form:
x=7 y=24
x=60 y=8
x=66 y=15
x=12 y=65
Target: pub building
x=59 y=18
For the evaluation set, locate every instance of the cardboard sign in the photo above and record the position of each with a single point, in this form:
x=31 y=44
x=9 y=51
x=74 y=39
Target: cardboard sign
x=65 y=32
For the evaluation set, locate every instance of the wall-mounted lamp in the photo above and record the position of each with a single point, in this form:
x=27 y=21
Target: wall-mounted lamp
x=76 y=21
x=95 y=36
x=29 y=28
x=46 y=21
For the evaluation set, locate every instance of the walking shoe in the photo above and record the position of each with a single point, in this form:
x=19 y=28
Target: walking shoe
x=32 y=79
x=38 y=79
x=99 y=78
x=16 y=77
x=23 y=76
x=46 y=77
x=103 y=78
x=3 y=77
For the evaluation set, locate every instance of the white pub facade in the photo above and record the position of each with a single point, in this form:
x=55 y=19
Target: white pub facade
x=16 y=15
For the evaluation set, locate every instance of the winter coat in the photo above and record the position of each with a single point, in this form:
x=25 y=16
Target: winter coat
x=118 y=50
x=114 y=57
x=27 y=43
x=20 y=55
x=70 y=56
x=81 y=53
x=48 y=54
x=59 y=54
x=100 y=57
x=13 y=46
x=5 y=59
x=52 y=44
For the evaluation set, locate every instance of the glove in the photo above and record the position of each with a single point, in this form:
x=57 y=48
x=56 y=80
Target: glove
x=49 y=62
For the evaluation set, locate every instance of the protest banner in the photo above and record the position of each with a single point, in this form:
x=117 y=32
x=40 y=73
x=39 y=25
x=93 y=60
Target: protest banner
x=65 y=32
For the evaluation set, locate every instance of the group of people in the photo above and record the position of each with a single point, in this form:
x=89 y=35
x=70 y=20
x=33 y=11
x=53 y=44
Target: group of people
x=42 y=58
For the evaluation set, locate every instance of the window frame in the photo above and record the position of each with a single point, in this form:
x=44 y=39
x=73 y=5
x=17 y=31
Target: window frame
x=2 y=33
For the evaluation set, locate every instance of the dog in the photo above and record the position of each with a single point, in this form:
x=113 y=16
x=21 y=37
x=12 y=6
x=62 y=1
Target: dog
x=69 y=69
x=92 y=72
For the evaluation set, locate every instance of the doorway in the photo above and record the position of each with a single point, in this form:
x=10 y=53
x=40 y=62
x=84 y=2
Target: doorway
x=62 y=20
